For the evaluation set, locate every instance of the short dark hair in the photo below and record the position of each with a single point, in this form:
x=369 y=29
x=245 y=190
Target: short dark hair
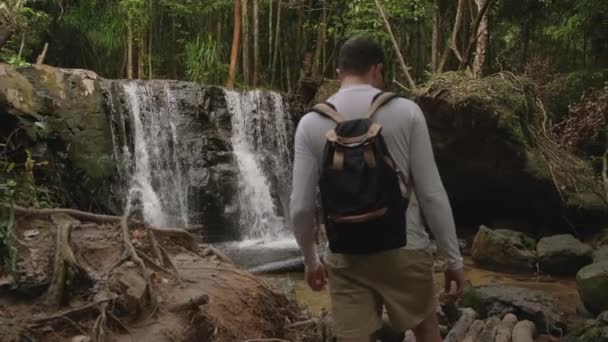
x=359 y=54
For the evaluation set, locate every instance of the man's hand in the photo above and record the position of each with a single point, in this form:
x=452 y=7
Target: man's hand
x=316 y=277
x=454 y=283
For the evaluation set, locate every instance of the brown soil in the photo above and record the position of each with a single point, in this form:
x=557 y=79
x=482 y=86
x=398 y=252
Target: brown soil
x=104 y=296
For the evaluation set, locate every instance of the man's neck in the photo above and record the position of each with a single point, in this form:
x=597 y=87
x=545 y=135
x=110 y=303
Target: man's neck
x=350 y=81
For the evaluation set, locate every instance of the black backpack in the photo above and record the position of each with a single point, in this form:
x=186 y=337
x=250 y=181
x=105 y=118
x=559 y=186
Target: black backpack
x=364 y=209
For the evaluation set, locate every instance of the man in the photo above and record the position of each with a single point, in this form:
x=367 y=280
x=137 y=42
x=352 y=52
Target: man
x=400 y=279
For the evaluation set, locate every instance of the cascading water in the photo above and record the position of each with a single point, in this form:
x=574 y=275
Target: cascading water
x=156 y=180
x=192 y=154
x=260 y=139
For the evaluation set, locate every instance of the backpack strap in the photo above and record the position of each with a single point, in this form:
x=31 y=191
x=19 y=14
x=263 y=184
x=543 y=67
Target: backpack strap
x=380 y=100
x=328 y=110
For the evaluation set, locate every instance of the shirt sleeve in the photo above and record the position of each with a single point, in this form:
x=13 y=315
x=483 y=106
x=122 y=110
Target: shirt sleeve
x=430 y=191
x=305 y=182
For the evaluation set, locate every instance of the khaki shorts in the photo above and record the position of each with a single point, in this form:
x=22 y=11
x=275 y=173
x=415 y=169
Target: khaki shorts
x=399 y=280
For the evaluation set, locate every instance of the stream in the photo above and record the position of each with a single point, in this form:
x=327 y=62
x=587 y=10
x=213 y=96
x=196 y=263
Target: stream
x=564 y=289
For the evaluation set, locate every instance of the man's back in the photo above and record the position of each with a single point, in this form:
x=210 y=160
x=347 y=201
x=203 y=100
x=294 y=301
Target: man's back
x=406 y=135
x=400 y=279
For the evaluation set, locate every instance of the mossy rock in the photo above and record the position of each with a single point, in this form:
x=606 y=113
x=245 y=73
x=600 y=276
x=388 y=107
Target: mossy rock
x=504 y=250
x=563 y=254
x=592 y=283
x=492 y=153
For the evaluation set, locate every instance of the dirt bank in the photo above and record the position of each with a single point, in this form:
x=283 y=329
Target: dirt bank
x=93 y=280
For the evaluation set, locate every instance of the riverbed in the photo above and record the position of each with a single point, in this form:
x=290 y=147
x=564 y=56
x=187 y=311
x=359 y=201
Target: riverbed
x=563 y=288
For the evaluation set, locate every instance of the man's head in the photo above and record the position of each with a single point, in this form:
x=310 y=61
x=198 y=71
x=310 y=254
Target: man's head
x=361 y=58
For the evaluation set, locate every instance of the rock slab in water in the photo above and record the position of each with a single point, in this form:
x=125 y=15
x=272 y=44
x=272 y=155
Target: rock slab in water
x=562 y=254
x=592 y=284
x=600 y=254
x=503 y=250
x=537 y=306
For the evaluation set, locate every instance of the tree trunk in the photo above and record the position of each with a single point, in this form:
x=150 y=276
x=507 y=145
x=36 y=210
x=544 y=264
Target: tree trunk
x=270 y=33
x=129 y=49
x=42 y=55
x=234 y=53
x=21 y=46
x=404 y=68
x=141 y=55
x=452 y=45
x=246 y=50
x=436 y=35
x=276 y=43
x=256 y=42
x=150 y=4
x=317 y=59
x=483 y=38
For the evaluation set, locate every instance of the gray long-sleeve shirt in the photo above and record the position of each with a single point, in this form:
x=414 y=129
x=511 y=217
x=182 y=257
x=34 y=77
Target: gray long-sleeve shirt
x=407 y=137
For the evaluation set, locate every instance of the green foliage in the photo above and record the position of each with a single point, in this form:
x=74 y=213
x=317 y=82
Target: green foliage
x=204 y=58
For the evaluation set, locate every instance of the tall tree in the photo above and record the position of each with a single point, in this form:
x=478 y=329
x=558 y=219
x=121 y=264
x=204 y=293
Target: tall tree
x=483 y=38
x=404 y=68
x=436 y=35
x=275 y=54
x=234 y=52
x=129 y=48
x=246 y=52
x=256 y=42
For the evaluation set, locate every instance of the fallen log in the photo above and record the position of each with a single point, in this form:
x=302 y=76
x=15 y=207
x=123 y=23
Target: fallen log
x=505 y=328
x=191 y=304
x=489 y=330
x=474 y=331
x=462 y=326
x=524 y=331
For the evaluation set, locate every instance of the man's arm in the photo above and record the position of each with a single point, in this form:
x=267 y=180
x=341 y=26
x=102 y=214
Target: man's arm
x=431 y=193
x=305 y=181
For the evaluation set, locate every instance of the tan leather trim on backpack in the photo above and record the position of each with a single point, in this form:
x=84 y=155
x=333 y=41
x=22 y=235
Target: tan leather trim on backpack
x=338 y=160
x=372 y=132
x=326 y=110
x=360 y=218
x=380 y=101
x=368 y=155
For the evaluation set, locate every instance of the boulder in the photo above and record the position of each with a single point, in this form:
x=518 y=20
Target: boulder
x=592 y=284
x=503 y=250
x=489 y=144
x=600 y=254
x=562 y=254
x=62 y=112
x=527 y=304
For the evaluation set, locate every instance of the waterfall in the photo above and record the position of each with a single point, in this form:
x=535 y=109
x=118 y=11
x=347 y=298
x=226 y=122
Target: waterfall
x=193 y=154
x=260 y=139
x=156 y=181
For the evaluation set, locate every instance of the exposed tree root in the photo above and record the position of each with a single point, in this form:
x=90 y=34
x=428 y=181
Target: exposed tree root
x=191 y=304
x=100 y=218
x=66 y=269
x=132 y=252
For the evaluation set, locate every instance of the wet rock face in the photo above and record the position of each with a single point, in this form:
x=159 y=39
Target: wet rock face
x=78 y=144
x=562 y=254
x=504 y=250
x=203 y=147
